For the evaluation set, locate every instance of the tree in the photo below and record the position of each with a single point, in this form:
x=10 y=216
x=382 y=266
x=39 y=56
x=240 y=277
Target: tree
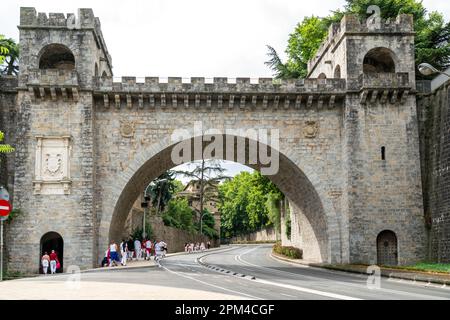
x=5 y=148
x=431 y=41
x=9 y=62
x=137 y=233
x=162 y=189
x=3 y=49
x=208 y=173
x=179 y=215
x=243 y=203
x=207 y=225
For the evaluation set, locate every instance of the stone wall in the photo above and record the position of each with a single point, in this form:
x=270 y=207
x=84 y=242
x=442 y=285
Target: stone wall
x=268 y=234
x=433 y=109
x=176 y=238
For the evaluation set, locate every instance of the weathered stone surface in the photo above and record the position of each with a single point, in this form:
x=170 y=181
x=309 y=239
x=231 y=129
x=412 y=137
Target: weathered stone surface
x=434 y=119
x=342 y=194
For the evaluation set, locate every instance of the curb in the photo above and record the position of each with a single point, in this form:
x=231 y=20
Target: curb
x=100 y=269
x=222 y=270
x=384 y=273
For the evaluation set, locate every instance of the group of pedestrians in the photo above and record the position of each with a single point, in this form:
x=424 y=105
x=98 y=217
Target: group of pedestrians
x=134 y=249
x=50 y=260
x=196 y=247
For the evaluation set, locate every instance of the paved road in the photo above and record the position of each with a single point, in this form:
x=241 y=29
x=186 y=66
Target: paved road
x=182 y=277
x=280 y=280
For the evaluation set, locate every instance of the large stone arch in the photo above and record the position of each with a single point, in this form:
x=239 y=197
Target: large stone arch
x=297 y=181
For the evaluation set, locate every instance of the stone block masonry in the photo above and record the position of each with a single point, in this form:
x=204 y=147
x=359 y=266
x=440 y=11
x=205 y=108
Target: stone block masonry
x=348 y=149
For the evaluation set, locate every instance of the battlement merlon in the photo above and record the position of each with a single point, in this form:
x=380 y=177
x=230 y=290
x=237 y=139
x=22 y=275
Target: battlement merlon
x=86 y=20
x=225 y=85
x=352 y=25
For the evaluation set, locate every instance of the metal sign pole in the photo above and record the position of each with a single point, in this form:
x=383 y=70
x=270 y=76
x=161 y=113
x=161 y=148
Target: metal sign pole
x=1 y=249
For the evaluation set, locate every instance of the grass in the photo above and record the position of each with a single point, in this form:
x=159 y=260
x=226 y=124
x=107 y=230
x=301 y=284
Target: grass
x=422 y=267
x=428 y=267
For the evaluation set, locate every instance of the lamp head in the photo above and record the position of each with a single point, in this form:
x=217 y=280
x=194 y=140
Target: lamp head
x=427 y=69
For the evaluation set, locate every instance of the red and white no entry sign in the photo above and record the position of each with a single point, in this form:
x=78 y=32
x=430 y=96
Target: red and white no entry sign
x=5 y=208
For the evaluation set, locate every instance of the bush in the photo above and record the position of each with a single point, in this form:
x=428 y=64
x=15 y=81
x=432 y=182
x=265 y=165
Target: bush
x=290 y=252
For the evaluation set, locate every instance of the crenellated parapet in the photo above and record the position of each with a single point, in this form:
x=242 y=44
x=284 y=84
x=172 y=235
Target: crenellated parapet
x=384 y=87
x=85 y=20
x=219 y=93
x=352 y=25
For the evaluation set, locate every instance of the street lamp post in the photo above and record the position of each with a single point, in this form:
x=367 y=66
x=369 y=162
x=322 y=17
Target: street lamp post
x=427 y=70
x=144 y=205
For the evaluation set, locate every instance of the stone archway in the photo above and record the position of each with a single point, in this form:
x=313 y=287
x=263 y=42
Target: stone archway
x=301 y=186
x=387 y=248
x=52 y=241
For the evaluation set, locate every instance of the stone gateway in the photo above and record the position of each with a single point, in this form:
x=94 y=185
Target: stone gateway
x=86 y=145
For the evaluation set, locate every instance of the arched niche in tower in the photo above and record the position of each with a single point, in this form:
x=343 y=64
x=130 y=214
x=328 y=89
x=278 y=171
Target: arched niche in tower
x=56 y=56
x=337 y=72
x=379 y=60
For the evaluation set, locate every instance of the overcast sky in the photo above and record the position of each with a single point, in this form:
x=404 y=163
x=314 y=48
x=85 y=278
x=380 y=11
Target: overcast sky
x=187 y=38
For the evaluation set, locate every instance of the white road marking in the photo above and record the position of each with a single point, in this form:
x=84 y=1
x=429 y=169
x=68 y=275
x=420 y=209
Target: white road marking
x=417 y=295
x=291 y=287
x=211 y=285
x=287 y=295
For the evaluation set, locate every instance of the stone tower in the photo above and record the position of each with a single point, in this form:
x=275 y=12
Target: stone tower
x=382 y=201
x=59 y=58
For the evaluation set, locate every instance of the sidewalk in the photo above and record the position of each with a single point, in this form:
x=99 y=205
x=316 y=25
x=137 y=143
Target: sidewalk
x=428 y=277
x=139 y=264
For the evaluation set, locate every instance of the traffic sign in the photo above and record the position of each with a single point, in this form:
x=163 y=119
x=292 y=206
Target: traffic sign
x=4 y=195
x=5 y=208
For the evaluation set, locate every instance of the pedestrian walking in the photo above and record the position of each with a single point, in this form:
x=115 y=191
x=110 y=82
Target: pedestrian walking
x=208 y=244
x=124 y=252
x=130 y=245
x=137 y=248
x=45 y=261
x=159 y=251
x=148 y=249
x=113 y=253
x=53 y=261
x=202 y=247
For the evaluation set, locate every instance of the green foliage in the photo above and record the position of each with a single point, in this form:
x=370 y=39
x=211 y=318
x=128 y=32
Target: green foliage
x=431 y=41
x=425 y=267
x=243 y=203
x=290 y=252
x=14 y=214
x=273 y=209
x=5 y=148
x=162 y=189
x=9 y=56
x=288 y=223
x=209 y=173
x=137 y=233
x=208 y=225
x=3 y=49
x=179 y=215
